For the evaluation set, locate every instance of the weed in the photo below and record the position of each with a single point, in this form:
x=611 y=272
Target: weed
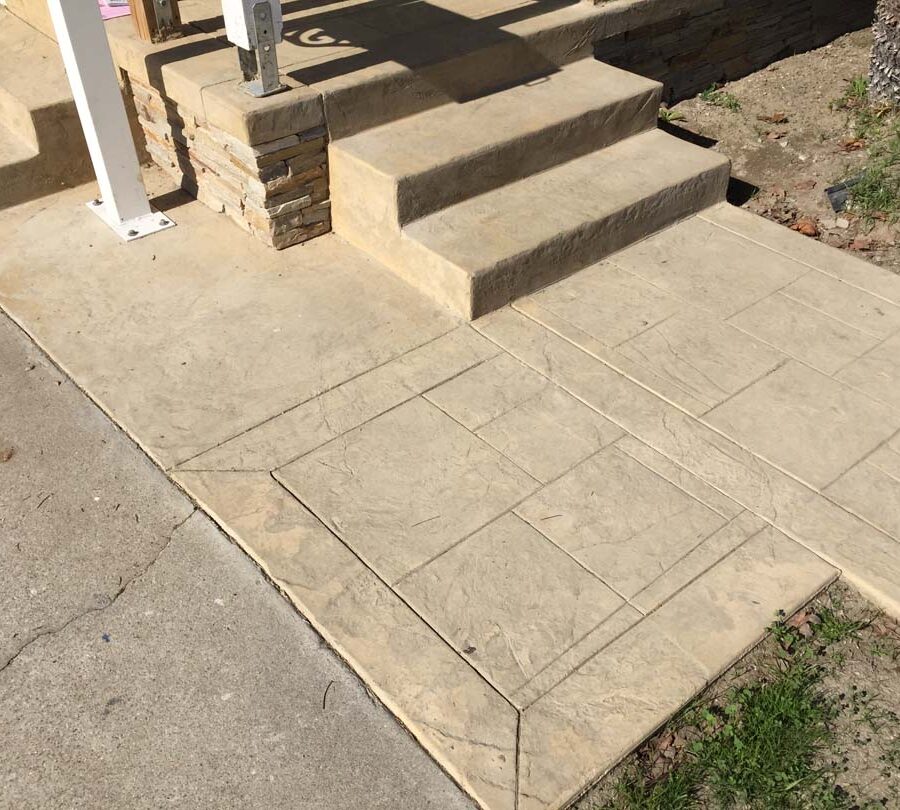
x=877 y=195
x=763 y=755
x=719 y=98
x=856 y=94
x=677 y=791
x=833 y=627
x=668 y=115
x=756 y=748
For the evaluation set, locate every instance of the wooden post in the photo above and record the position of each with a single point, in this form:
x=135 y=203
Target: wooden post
x=156 y=20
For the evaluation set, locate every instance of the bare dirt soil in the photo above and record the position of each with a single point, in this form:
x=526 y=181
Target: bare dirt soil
x=789 y=135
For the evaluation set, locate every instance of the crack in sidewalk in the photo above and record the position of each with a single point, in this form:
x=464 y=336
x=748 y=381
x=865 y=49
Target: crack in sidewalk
x=110 y=600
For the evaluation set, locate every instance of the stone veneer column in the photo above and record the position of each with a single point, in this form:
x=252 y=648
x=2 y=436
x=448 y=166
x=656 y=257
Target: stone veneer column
x=277 y=189
x=263 y=162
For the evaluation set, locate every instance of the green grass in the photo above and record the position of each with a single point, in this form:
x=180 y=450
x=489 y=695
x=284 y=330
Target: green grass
x=719 y=98
x=834 y=628
x=678 y=791
x=757 y=746
x=765 y=741
x=877 y=195
x=856 y=94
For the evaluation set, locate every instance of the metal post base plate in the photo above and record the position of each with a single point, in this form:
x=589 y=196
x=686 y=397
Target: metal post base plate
x=256 y=89
x=135 y=228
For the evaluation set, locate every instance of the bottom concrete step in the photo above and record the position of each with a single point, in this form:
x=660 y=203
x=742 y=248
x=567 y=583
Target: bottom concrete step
x=18 y=164
x=490 y=249
x=481 y=253
x=27 y=173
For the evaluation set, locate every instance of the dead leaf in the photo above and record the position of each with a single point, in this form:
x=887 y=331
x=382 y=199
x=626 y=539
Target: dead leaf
x=852 y=144
x=665 y=741
x=805 y=185
x=860 y=243
x=6 y=453
x=774 y=118
x=798 y=619
x=776 y=134
x=806 y=226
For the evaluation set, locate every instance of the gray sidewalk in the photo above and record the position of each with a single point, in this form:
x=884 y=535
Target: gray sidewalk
x=142 y=655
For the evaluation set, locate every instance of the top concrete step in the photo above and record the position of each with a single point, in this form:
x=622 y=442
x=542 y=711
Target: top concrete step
x=425 y=162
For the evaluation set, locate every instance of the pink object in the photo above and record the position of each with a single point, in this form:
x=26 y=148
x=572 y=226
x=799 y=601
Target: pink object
x=108 y=12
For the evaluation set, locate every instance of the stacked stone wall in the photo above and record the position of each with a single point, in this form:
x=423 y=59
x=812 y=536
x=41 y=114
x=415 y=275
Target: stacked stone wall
x=277 y=190
x=713 y=41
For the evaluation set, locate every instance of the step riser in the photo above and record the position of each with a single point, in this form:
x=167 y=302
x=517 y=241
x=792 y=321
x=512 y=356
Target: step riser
x=55 y=127
x=59 y=131
x=395 y=95
x=415 y=264
x=410 y=197
x=16 y=117
x=569 y=251
x=503 y=59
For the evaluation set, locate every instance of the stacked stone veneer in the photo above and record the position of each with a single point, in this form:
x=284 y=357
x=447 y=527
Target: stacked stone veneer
x=708 y=41
x=277 y=190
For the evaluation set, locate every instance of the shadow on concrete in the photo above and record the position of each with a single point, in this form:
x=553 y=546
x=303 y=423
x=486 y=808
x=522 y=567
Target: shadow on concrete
x=437 y=44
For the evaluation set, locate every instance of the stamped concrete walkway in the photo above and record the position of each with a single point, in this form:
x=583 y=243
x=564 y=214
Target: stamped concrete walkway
x=536 y=536
x=142 y=654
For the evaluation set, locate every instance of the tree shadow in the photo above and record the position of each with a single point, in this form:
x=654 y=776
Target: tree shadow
x=438 y=45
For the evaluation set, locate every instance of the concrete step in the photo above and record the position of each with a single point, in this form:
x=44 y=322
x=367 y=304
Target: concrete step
x=481 y=253
x=426 y=162
x=37 y=111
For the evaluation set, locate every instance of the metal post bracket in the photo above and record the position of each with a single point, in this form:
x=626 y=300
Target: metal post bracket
x=131 y=229
x=260 y=65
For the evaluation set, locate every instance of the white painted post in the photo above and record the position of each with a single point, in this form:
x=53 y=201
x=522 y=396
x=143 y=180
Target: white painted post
x=85 y=52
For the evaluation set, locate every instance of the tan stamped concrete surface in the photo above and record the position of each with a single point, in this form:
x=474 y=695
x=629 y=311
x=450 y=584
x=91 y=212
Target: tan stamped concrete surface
x=537 y=536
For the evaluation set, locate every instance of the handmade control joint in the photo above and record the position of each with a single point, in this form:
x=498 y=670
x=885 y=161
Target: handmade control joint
x=255 y=27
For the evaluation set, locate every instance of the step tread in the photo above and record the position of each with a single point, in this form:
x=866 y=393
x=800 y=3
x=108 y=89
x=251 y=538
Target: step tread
x=31 y=68
x=420 y=142
x=516 y=219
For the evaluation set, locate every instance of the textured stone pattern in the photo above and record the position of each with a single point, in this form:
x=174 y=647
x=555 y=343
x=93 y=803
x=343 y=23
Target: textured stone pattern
x=597 y=498
x=277 y=190
x=720 y=40
x=534 y=537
